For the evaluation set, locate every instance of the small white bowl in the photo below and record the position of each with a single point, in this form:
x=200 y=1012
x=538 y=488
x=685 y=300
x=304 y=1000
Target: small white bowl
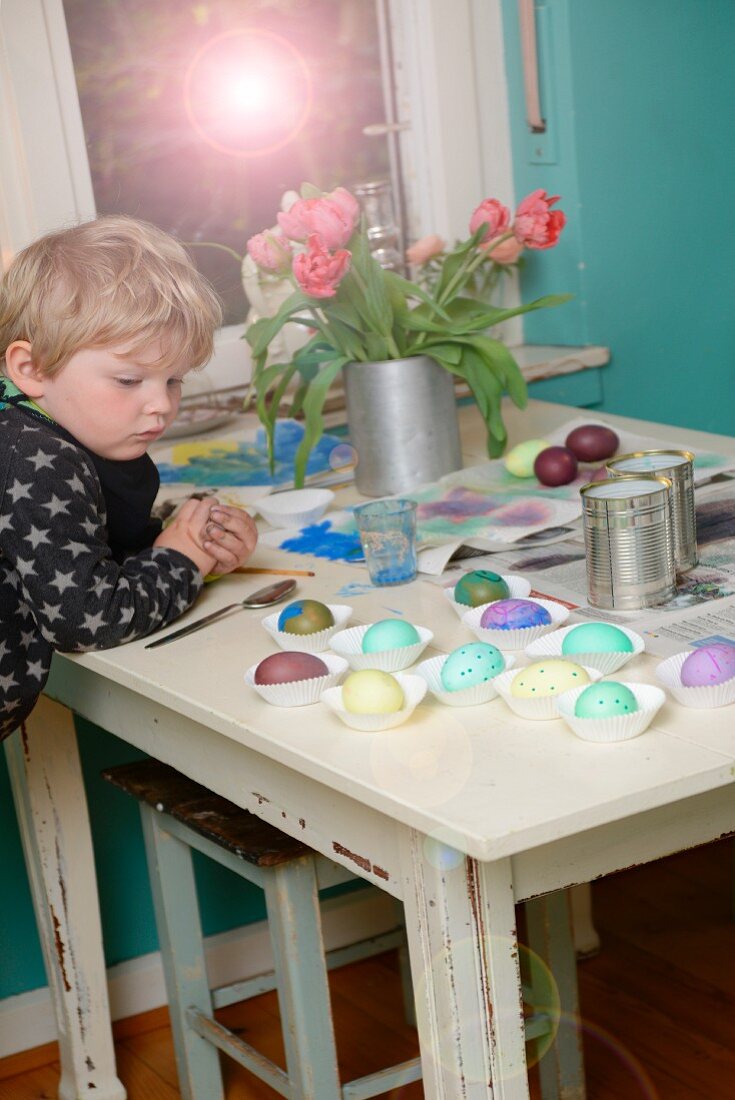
x=622 y=727
x=296 y=508
x=549 y=645
x=668 y=673
x=540 y=709
x=516 y=639
x=348 y=644
x=414 y=689
x=466 y=697
x=308 y=643
x=519 y=589
x=299 y=693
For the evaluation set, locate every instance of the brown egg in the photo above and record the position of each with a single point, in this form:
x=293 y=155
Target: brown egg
x=287 y=666
x=555 y=466
x=592 y=442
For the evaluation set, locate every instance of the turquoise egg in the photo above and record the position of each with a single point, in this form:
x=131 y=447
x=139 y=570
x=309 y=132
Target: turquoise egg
x=596 y=638
x=389 y=634
x=605 y=700
x=471 y=664
x=480 y=586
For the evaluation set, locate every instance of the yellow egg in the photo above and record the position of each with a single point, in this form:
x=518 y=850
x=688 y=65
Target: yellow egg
x=371 y=691
x=549 y=677
x=520 y=459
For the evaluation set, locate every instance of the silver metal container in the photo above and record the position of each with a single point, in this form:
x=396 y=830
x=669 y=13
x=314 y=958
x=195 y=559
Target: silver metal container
x=628 y=541
x=678 y=466
x=403 y=423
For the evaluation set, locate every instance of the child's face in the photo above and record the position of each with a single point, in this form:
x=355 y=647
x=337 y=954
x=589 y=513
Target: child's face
x=115 y=405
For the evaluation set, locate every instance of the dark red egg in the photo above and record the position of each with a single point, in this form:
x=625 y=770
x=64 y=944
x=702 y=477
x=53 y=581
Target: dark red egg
x=592 y=442
x=600 y=474
x=287 y=666
x=555 y=466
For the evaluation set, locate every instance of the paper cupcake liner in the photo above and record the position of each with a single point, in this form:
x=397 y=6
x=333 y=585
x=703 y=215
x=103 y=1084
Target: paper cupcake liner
x=622 y=727
x=299 y=693
x=308 y=643
x=516 y=639
x=549 y=645
x=414 y=689
x=519 y=589
x=348 y=644
x=542 y=709
x=668 y=673
x=431 y=669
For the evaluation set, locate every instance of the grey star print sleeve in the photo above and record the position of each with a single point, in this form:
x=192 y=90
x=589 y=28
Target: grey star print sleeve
x=53 y=536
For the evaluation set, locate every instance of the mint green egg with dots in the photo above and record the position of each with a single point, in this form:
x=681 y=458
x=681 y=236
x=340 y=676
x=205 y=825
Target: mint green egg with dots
x=471 y=664
x=608 y=699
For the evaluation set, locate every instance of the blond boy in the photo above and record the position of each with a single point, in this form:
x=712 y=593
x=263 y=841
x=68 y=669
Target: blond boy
x=99 y=326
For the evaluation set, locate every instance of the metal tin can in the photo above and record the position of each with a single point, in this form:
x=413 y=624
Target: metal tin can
x=678 y=466
x=628 y=539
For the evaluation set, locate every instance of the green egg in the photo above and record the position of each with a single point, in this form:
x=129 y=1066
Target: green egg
x=480 y=586
x=389 y=634
x=596 y=638
x=471 y=664
x=605 y=700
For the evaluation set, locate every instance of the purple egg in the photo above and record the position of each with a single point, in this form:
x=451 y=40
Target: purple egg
x=708 y=665
x=514 y=615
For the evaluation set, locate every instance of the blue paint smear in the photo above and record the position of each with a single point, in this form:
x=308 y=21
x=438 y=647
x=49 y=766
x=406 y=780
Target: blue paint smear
x=323 y=541
x=248 y=465
x=355 y=588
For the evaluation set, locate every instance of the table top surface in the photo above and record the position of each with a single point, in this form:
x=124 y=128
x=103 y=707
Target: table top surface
x=481 y=778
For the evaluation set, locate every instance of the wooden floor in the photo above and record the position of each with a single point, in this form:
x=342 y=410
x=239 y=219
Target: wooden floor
x=658 y=1003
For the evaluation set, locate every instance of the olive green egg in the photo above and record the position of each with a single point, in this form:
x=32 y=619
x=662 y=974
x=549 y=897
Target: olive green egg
x=480 y=586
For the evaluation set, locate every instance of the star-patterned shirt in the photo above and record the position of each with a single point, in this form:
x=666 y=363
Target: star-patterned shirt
x=60 y=588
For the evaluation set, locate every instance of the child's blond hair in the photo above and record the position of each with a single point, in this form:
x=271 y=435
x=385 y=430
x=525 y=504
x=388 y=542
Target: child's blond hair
x=108 y=282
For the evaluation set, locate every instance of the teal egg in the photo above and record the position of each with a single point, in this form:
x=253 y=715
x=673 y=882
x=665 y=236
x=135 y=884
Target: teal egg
x=480 y=586
x=389 y=634
x=605 y=700
x=596 y=638
x=471 y=664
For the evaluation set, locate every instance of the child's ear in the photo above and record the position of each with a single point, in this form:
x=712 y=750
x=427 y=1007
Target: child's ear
x=22 y=371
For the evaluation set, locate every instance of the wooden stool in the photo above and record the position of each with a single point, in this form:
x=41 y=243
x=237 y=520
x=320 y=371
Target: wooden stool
x=179 y=815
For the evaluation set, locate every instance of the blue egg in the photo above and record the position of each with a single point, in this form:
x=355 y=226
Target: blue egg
x=389 y=634
x=471 y=664
x=596 y=638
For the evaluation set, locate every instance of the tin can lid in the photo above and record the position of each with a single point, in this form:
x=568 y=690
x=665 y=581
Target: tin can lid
x=623 y=488
x=641 y=462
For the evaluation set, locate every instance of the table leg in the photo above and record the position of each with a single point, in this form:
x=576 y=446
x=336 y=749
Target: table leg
x=50 y=801
x=460 y=921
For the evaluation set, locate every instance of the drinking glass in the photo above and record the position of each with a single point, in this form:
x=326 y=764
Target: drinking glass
x=388 y=534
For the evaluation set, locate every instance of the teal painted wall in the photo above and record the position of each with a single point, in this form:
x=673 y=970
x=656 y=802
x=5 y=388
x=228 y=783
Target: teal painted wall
x=639 y=98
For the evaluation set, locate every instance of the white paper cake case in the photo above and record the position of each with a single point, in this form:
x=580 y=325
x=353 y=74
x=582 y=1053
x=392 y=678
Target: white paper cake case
x=668 y=673
x=549 y=645
x=519 y=589
x=414 y=689
x=308 y=643
x=621 y=727
x=348 y=644
x=466 y=697
x=515 y=639
x=540 y=709
x=299 y=693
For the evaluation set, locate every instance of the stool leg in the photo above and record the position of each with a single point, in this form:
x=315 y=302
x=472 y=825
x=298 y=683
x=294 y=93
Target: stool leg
x=549 y=926
x=294 y=923
x=180 y=936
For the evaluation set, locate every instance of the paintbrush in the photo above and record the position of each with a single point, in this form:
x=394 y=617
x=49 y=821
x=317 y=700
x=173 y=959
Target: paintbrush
x=275 y=572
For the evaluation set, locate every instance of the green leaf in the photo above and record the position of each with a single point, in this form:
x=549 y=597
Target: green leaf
x=313 y=420
x=310 y=191
x=260 y=334
x=501 y=359
x=399 y=286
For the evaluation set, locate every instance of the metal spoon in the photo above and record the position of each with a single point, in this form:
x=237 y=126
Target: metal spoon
x=264 y=597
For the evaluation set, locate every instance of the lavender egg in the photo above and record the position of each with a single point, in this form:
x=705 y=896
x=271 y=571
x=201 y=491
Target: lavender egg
x=514 y=615
x=709 y=665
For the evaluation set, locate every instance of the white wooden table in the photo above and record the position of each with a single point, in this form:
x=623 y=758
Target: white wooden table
x=525 y=808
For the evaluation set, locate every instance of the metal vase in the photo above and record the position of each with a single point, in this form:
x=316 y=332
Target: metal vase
x=403 y=423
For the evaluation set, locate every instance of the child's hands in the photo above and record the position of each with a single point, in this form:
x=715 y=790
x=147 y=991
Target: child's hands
x=230 y=535
x=184 y=533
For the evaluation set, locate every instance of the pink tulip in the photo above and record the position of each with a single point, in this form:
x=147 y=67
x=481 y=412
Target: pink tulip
x=503 y=251
x=536 y=224
x=331 y=218
x=492 y=214
x=319 y=271
x=271 y=252
x=425 y=249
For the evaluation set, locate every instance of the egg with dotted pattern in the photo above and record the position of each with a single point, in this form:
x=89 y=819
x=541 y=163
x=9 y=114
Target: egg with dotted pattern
x=389 y=634
x=595 y=638
x=606 y=700
x=514 y=615
x=471 y=664
x=549 y=677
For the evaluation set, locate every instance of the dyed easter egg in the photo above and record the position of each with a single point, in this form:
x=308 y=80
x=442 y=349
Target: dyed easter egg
x=709 y=665
x=471 y=664
x=371 y=691
x=555 y=466
x=520 y=459
x=305 y=617
x=389 y=634
x=605 y=700
x=480 y=586
x=592 y=442
x=288 y=666
x=596 y=638
x=514 y=615
x=548 y=677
